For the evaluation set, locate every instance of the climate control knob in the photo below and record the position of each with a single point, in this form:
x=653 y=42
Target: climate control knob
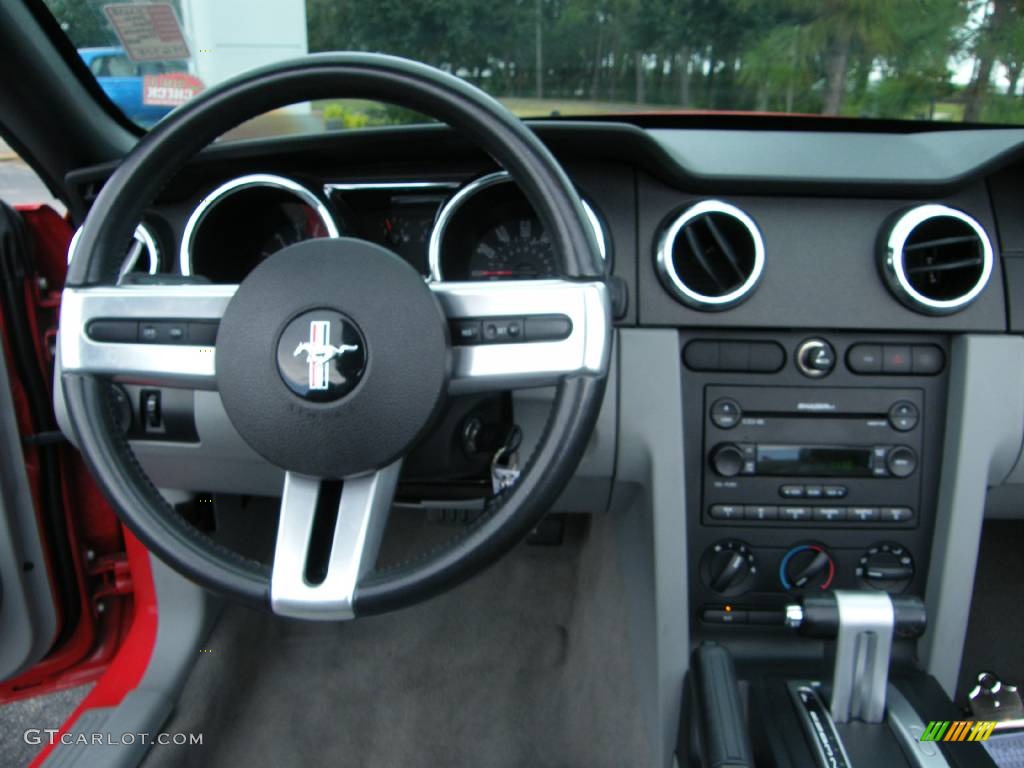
x=728 y=567
x=807 y=568
x=727 y=460
x=887 y=568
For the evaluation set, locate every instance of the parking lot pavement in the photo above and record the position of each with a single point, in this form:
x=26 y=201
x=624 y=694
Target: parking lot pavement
x=19 y=183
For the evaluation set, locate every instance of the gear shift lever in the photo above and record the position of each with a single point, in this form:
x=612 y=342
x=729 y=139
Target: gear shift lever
x=863 y=625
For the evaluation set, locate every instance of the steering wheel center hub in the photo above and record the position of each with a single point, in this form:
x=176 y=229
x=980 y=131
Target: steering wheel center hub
x=332 y=357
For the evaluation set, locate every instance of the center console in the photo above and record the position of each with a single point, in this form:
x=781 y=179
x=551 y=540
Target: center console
x=812 y=465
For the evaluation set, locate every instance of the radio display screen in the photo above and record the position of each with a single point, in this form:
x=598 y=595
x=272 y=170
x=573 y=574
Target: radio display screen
x=813 y=461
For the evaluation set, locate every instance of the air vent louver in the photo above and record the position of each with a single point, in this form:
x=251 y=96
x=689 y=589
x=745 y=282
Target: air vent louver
x=936 y=259
x=711 y=256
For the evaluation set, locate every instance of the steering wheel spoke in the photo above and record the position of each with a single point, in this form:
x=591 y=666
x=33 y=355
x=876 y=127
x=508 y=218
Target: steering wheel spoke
x=316 y=570
x=156 y=334
x=522 y=333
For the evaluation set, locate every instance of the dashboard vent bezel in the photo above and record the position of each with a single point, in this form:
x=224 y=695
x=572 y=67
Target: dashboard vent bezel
x=451 y=206
x=143 y=241
x=677 y=286
x=894 y=259
x=241 y=184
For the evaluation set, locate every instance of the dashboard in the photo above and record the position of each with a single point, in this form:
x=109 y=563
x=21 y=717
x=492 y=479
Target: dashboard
x=817 y=370
x=482 y=228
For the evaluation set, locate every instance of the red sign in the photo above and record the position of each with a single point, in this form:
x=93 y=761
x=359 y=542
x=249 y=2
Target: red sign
x=148 y=31
x=170 y=90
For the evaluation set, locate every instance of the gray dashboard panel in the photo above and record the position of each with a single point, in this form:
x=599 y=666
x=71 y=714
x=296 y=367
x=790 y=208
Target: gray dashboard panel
x=984 y=427
x=820 y=271
x=926 y=158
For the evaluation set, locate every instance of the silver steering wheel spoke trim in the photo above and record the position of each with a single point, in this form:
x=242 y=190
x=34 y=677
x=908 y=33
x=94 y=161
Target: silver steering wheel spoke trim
x=493 y=367
x=361 y=517
x=171 y=364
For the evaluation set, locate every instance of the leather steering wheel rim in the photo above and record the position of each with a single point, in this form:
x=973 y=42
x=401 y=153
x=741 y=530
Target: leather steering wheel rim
x=154 y=161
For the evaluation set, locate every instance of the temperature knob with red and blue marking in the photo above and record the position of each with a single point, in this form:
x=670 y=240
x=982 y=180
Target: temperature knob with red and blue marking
x=806 y=568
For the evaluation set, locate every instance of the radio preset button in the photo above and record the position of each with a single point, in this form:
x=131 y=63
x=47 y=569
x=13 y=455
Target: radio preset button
x=903 y=416
x=795 y=514
x=760 y=512
x=901 y=461
x=791 y=491
x=835 y=491
x=725 y=413
x=726 y=512
x=829 y=514
x=863 y=514
x=897 y=514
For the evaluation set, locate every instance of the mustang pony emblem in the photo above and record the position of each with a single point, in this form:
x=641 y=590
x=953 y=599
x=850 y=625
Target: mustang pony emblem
x=319 y=352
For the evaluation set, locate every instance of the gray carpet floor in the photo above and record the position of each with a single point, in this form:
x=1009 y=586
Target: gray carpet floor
x=525 y=665
x=40 y=712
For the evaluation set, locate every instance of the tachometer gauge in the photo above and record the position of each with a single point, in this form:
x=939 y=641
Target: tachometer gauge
x=514 y=249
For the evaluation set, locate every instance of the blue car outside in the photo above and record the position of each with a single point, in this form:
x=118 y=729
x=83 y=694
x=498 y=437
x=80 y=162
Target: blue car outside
x=122 y=80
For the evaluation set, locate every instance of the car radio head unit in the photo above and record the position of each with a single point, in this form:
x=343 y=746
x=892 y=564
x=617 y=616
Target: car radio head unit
x=849 y=455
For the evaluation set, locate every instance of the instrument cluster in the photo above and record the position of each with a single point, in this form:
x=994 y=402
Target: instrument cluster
x=484 y=229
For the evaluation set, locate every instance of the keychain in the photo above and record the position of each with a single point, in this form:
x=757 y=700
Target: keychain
x=505 y=464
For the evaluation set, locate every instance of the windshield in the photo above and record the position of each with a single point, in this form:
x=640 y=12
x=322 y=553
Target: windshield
x=946 y=60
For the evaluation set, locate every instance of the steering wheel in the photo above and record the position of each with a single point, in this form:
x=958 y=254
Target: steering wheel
x=334 y=356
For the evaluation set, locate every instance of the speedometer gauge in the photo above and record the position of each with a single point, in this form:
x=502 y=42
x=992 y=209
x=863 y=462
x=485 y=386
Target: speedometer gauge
x=516 y=248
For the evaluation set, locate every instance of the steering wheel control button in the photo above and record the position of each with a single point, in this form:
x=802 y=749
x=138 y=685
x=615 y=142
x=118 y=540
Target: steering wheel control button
x=510 y=330
x=548 y=328
x=896 y=359
x=865 y=358
x=901 y=461
x=202 y=334
x=815 y=358
x=319 y=372
x=121 y=331
x=903 y=416
x=726 y=413
x=321 y=355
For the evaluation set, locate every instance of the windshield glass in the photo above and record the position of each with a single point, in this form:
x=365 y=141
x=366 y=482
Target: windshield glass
x=948 y=60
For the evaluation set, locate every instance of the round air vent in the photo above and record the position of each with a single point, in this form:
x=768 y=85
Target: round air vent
x=936 y=259
x=711 y=256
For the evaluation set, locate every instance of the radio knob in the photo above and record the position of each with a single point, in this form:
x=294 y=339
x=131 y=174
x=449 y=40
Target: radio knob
x=901 y=461
x=727 y=460
x=887 y=568
x=728 y=567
